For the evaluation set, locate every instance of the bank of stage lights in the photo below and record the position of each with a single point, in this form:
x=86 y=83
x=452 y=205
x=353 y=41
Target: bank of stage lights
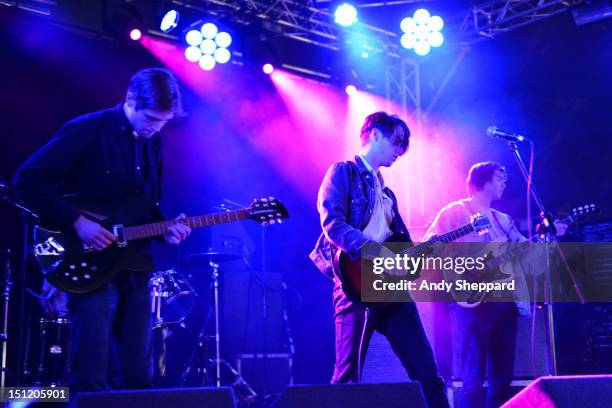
x=422 y=32
x=208 y=46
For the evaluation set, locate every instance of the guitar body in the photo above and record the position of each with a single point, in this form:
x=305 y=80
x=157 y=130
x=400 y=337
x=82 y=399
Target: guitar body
x=493 y=273
x=69 y=266
x=349 y=272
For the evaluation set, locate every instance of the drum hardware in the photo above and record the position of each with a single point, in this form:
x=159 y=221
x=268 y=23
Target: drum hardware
x=198 y=361
x=54 y=362
x=172 y=298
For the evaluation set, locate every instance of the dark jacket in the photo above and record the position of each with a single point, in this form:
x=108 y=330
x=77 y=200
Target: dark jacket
x=346 y=201
x=97 y=160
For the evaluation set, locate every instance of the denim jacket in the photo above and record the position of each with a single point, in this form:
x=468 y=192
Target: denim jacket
x=345 y=204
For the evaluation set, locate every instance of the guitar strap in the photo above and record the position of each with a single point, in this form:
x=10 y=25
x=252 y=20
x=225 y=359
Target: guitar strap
x=152 y=178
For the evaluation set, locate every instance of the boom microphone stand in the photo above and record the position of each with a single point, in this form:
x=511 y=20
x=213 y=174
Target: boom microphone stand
x=550 y=237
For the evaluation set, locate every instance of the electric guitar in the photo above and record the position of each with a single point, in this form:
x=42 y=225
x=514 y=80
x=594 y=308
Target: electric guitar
x=349 y=271
x=74 y=267
x=494 y=271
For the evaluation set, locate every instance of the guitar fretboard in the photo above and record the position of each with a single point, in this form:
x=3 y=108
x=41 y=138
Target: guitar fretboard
x=160 y=228
x=446 y=238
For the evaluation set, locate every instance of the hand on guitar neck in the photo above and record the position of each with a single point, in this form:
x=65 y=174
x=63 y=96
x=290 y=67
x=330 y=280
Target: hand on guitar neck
x=177 y=232
x=96 y=237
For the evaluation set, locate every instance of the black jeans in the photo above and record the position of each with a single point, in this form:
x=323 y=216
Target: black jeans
x=488 y=335
x=119 y=310
x=401 y=325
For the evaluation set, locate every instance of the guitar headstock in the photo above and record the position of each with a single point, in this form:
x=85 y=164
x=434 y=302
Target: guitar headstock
x=582 y=212
x=267 y=211
x=481 y=223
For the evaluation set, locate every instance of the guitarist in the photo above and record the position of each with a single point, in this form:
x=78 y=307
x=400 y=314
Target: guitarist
x=488 y=331
x=110 y=162
x=356 y=207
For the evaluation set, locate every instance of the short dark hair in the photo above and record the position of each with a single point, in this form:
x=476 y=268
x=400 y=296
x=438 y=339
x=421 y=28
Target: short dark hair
x=481 y=173
x=156 y=88
x=387 y=124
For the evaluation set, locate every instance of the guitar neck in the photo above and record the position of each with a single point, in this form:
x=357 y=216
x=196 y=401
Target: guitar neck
x=160 y=228
x=448 y=237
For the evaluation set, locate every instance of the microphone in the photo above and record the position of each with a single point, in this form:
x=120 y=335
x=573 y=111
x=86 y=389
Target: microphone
x=494 y=132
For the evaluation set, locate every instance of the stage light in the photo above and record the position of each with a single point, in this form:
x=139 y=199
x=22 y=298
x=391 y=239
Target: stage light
x=223 y=39
x=364 y=54
x=193 y=38
x=169 y=21
x=408 y=41
x=422 y=31
x=408 y=25
x=421 y=16
x=209 y=30
x=422 y=48
x=208 y=47
x=207 y=62
x=345 y=15
x=268 y=68
x=193 y=54
x=435 y=39
x=135 y=34
x=435 y=23
x=350 y=90
x=222 y=55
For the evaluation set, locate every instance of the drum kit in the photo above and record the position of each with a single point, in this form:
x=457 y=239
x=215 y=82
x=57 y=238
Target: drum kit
x=172 y=299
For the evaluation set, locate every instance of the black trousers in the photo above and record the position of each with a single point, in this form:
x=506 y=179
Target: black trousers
x=121 y=311
x=401 y=325
x=488 y=338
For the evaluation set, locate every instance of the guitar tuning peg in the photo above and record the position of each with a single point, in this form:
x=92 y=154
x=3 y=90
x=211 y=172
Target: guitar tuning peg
x=278 y=220
x=271 y=221
x=271 y=198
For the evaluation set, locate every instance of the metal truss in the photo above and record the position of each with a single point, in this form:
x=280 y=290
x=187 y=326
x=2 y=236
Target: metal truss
x=489 y=19
x=300 y=20
x=403 y=90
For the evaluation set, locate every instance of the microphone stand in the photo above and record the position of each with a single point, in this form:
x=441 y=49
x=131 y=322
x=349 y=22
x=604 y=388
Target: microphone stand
x=28 y=214
x=6 y=294
x=550 y=324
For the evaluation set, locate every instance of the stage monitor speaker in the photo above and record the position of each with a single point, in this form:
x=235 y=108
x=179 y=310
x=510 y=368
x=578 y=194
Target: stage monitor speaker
x=394 y=395
x=591 y=391
x=222 y=397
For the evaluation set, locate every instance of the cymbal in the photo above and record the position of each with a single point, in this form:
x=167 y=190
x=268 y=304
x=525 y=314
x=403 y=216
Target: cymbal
x=215 y=257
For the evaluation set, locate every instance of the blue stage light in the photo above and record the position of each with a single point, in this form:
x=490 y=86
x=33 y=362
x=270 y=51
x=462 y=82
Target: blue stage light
x=208 y=46
x=207 y=62
x=193 y=54
x=209 y=30
x=193 y=38
x=345 y=15
x=422 y=31
x=169 y=21
x=222 y=55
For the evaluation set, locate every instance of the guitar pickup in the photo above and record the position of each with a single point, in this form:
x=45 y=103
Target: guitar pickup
x=119 y=232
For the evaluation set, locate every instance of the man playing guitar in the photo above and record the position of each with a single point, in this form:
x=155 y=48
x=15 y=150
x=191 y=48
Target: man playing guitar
x=355 y=208
x=110 y=163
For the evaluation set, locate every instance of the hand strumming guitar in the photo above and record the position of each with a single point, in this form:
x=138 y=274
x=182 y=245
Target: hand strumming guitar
x=93 y=234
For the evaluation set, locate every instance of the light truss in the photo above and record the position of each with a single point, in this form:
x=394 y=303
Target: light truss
x=491 y=18
x=301 y=21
